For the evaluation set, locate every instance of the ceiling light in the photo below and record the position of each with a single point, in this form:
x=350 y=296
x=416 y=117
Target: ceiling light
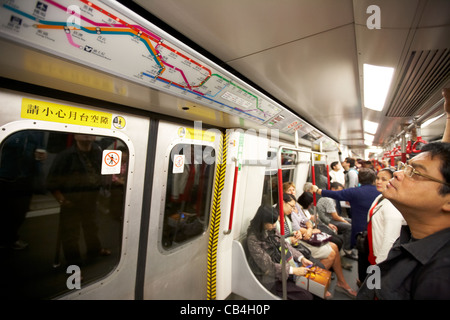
x=377 y=81
x=368 y=137
x=370 y=126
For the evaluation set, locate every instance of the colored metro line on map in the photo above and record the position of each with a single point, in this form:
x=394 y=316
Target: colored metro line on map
x=95 y=34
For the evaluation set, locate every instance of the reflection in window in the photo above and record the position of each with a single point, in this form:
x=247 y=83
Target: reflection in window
x=189 y=191
x=321 y=175
x=270 y=188
x=58 y=210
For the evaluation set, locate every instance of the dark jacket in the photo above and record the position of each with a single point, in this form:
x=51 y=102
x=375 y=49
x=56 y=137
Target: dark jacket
x=413 y=270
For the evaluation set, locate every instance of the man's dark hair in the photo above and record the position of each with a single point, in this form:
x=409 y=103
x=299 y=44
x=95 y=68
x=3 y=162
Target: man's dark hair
x=333 y=164
x=350 y=161
x=366 y=176
x=305 y=199
x=336 y=185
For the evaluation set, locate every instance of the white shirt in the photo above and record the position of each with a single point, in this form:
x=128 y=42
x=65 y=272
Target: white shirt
x=386 y=224
x=337 y=176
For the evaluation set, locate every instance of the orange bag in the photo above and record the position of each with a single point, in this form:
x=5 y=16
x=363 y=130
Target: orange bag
x=316 y=281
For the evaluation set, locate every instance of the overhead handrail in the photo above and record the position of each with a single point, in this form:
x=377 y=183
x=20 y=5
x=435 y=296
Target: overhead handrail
x=412 y=148
x=425 y=115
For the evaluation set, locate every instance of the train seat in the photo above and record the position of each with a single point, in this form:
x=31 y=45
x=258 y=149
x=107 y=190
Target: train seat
x=244 y=282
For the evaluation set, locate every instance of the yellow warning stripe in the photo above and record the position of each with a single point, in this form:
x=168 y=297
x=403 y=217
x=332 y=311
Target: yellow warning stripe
x=215 y=218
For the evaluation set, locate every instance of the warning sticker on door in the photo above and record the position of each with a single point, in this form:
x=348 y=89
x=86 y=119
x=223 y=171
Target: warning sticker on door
x=178 y=163
x=111 y=161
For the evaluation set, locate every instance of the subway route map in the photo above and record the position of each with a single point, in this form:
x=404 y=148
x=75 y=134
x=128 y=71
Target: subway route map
x=96 y=34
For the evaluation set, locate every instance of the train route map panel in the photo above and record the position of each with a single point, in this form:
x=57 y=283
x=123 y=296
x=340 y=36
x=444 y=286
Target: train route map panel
x=95 y=34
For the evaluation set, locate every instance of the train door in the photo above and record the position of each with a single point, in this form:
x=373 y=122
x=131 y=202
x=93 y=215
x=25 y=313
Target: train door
x=183 y=185
x=70 y=221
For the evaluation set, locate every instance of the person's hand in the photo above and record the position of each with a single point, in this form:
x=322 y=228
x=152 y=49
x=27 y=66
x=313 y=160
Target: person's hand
x=332 y=227
x=308 y=234
x=314 y=188
x=298 y=235
x=301 y=271
x=446 y=95
x=306 y=262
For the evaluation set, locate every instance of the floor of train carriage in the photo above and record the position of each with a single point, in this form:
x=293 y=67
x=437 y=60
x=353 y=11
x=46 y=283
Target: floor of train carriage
x=34 y=272
x=350 y=276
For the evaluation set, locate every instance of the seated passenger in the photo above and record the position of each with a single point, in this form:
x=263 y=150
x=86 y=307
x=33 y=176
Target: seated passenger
x=327 y=253
x=264 y=248
x=301 y=212
x=305 y=201
x=326 y=208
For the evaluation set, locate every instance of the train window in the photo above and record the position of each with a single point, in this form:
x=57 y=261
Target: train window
x=58 y=210
x=270 y=188
x=189 y=192
x=288 y=158
x=321 y=175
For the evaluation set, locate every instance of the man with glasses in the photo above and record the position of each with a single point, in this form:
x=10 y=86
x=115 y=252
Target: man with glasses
x=418 y=265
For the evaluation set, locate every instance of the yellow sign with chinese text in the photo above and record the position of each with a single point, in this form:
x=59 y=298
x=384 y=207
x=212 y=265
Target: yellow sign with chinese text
x=48 y=111
x=196 y=134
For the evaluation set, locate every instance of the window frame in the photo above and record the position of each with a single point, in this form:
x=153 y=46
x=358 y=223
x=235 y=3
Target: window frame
x=180 y=246
x=13 y=127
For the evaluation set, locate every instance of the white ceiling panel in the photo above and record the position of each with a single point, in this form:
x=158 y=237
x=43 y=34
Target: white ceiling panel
x=314 y=93
x=236 y=28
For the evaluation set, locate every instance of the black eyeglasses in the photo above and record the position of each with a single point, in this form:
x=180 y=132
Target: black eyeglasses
x=409 y=171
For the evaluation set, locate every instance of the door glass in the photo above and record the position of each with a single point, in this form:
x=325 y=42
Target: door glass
x=62 y=218
x=189 y=191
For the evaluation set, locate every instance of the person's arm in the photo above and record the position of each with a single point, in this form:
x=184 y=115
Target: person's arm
x=336 y=217
x=446 y=95
x=263 y=259
x=342 y=195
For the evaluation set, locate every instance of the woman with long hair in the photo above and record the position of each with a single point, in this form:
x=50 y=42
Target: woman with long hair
x=264 y=247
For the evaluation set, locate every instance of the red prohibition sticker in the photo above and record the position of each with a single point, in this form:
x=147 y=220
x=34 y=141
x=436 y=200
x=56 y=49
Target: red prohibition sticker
x=178 y=163
x=111 y=161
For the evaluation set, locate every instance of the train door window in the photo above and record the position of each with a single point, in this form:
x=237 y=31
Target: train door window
x=270 y=188
x=321 y=175
x=189 y=192
x=58 y=210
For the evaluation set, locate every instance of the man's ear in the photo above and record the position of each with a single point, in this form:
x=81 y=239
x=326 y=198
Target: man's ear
x=446 y=206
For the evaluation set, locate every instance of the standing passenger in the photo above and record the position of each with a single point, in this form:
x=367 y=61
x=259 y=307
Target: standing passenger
x=418 y=265
x=384 y=221
x=74 y=180
x=337 y=173
x=360 y=199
